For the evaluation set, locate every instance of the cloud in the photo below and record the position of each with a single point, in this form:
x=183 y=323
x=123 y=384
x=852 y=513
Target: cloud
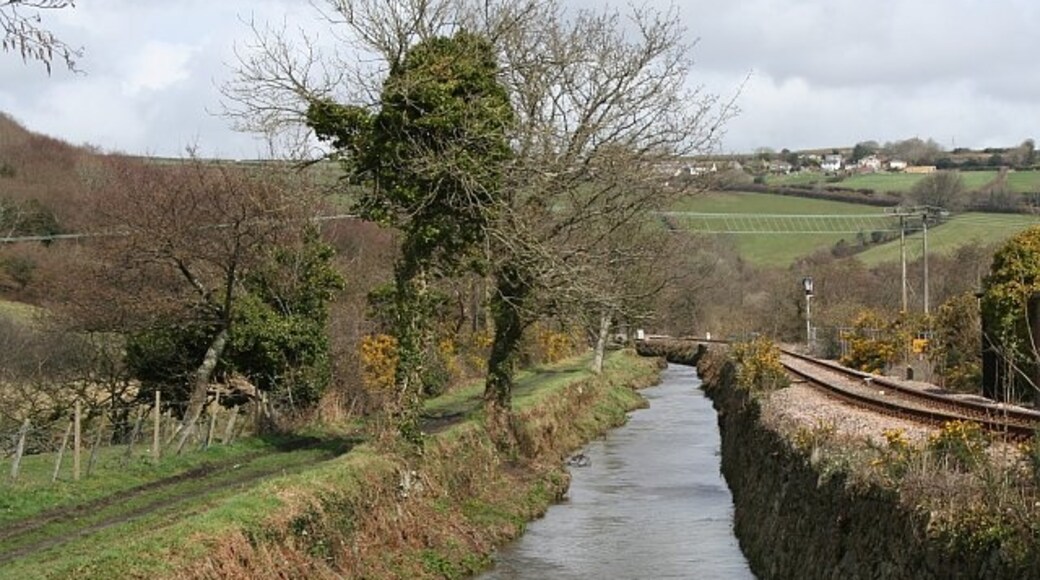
x=826 y=72
x=158 y=66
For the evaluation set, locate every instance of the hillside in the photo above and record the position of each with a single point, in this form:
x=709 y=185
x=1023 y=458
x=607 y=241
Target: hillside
x=780 y=250
x=979 y=229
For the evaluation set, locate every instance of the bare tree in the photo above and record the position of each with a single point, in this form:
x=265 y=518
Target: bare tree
x=22 y=25
x=602 y=102
x=183 y=240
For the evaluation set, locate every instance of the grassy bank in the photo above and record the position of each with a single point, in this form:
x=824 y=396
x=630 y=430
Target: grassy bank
x=372 y=513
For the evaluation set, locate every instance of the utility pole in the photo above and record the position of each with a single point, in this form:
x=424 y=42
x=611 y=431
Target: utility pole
x=924 y=225
x=902 y=253
x=807 y=285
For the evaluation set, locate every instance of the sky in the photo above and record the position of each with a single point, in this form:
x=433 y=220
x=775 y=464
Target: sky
x=805 y=73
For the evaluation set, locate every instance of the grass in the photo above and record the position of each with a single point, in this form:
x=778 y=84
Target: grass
x=1024 y=181
x=468 y=400
x=896 y=182
x=18 y=311
x=765 y=203
x=965 y=229
x=778 y=250
x=34 y=492
x=799 y=178
x=240 y=501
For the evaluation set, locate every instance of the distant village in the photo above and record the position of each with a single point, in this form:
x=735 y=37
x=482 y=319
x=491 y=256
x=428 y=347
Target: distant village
x=912 y=155
x=829 y=164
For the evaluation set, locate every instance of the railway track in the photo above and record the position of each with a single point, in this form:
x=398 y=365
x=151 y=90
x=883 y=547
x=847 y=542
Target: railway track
x=891 y=397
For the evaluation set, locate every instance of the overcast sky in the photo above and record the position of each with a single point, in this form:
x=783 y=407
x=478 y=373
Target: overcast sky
x=823 y=73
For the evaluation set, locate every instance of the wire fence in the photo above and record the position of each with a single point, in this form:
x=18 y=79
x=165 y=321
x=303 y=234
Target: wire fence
x=71 y=446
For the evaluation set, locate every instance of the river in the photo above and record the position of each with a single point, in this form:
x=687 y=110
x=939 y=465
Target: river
x=651 y=504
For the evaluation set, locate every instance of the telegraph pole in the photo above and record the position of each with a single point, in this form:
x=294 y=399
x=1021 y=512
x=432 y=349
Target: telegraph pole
x=902 y=253
x=924 y=225
x=807 y=285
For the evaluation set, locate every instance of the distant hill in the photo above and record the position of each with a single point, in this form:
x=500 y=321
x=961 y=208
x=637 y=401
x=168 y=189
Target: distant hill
x=42 y=174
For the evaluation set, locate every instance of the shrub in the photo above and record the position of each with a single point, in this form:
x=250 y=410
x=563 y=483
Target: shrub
x=960 y=443
x=758 y=364
x=1031 y=451
x=378 y=362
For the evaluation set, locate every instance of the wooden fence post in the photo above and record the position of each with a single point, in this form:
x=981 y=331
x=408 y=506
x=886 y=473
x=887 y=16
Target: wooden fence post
x=19 y=450
x=76 y=440
x=61 y=452
x=213 y=408
x=135 y=433
x=97 y=443
x=156 y=443
x=229 y=431
x=171 y=424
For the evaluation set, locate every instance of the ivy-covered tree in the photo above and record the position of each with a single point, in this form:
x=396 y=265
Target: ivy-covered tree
x=432 y=159
x=601 y=101
x=1011 y=310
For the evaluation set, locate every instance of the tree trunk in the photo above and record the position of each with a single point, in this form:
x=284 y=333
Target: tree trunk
x=413 y=341
x=202 y=378
x=601 y=341
x=506 y=308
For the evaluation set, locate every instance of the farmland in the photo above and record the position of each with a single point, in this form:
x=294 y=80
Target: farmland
x=771 y=249
x=780 y=250
x=971 y=228
x=1017 y=181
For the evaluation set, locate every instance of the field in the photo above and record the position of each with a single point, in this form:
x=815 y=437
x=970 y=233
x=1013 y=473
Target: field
x=970 y=228
x=1018 y=181
x=1024 y=181
x=778 y=250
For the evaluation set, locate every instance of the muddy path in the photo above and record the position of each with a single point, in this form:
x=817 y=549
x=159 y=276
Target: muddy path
x=167 y=496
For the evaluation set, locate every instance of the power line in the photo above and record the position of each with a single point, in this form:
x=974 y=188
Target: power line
x=111 y=234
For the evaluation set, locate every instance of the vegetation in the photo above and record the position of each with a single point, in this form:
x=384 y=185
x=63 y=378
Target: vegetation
x=1010 y=309
x=758 y=366
x=434 y=156
x=24 y=34
x=968 y=229
x=957 y=346
x=306 y=506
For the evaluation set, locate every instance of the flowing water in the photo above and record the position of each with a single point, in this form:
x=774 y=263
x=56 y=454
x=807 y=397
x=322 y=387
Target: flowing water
x=652 y=503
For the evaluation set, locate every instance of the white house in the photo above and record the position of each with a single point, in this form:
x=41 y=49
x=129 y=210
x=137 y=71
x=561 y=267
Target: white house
x=831 y=163
x=897 y=165
x=870 y=163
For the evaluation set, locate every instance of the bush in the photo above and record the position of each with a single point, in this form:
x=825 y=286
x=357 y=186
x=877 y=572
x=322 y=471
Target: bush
x=758 y=364
x=962 y=444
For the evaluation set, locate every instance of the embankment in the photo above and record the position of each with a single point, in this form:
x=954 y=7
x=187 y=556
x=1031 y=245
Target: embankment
x=798 y=517
x=379 y=514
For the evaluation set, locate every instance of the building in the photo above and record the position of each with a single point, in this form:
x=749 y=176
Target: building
x=831 y=163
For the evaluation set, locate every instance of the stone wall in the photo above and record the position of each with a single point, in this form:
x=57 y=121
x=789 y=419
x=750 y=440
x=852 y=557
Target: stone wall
x=793 y=521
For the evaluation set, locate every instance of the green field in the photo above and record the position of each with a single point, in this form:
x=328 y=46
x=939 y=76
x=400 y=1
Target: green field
x=1024 y=181
x=896 y=182
x=799 y=178
x=970 y=228
x=1018 y=181
x=775 y=249
x=780 y=250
